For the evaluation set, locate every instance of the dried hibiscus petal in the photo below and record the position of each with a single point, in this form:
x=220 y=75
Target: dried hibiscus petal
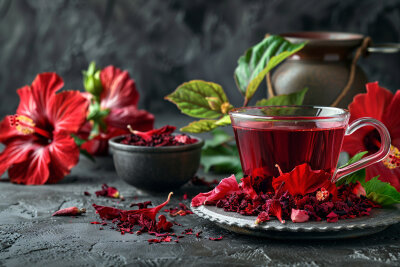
x=299 y=216
x=183 y=210
x=163 y=225
x=187 y=232
x=226 y=186
x=71 y=211
x=107 y=213
x=247 y=186
x=358 y=190
x=108 y=191
x=141 y=205
x=262 y=217
x=147 y=136
x=216 y=238
x=150 y=212
x=157 y=138
x=303 y=180
x=332 y=217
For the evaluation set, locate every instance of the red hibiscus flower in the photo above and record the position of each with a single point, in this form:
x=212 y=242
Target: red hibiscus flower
x=381 y=104
x=38 y=144
x=113 y=108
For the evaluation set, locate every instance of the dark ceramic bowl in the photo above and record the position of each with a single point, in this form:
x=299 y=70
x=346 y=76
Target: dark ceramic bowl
x=156 y=168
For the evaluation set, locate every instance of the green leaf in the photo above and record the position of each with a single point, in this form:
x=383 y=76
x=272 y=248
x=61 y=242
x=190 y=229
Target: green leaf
x=355 y=158
x=221 y=155
x=284 y=100
x=200 y=126
x=259 y=60
x=199 y=99
x=381 y=192
x=356 y=176
x=219 y=137
x=221 y=159
x=225 y=120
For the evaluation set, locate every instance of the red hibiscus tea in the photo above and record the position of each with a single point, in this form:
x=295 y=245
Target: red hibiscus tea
x=284 y=137
x=261 y=149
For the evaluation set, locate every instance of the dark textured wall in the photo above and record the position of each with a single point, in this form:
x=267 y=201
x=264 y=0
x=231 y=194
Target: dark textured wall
x=166 y=42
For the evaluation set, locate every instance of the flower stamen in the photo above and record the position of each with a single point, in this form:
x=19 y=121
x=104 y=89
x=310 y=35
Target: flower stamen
x=392 y=160
x=26 y=126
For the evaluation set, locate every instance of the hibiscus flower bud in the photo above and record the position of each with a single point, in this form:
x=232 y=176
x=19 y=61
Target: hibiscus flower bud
x=91 y=80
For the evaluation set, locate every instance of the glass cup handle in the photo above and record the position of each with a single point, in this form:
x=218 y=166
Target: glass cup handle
x=374 y=158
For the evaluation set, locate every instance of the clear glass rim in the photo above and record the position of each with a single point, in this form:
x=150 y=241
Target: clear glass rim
x=340 y=115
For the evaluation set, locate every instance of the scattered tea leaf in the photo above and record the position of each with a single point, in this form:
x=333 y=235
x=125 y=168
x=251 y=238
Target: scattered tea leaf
x=296 y=98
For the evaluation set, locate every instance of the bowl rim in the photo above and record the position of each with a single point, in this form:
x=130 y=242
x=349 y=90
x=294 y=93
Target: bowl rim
x=116 y=146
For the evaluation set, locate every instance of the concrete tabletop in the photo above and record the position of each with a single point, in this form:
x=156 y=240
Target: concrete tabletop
x=30 y=236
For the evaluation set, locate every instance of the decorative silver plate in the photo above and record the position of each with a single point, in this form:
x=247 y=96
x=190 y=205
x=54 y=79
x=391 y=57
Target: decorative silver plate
x=379 y=220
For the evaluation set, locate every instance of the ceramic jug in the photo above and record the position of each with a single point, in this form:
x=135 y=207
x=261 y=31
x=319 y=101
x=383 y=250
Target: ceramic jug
x=324 y=66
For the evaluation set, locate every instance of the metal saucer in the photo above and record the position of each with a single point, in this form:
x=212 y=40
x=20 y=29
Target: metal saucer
x=378 y=221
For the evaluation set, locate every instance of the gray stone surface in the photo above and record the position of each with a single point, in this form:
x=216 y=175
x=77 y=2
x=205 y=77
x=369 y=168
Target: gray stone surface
x=30 y=236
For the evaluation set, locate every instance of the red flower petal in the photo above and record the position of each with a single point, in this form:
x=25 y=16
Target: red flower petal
x=354 y=143
x=247 y=187
x=67 y=111
x=226 y=186
x=27 y=104
x=44 y=88
x=99 y=144
x=8 y=132
x=119 y=89
x=372 y=104
x=64 y=155
x=34 y=170
x=16 y=152
x=391 y=119
x=303 y=180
